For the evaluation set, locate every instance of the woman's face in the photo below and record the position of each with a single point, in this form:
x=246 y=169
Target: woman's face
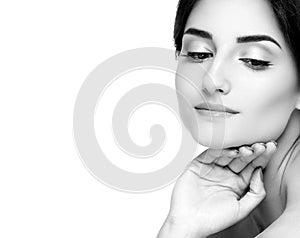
x=234 y=54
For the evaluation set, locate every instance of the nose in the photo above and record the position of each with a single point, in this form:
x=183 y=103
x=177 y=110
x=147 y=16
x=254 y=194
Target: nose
x=216 y=79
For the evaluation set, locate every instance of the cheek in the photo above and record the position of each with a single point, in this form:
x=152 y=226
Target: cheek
x=183 y=92
x=266 y=105
x=187 y=94
x=268 y=111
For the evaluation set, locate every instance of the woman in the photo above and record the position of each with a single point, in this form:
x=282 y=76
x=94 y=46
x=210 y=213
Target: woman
x=238 y=71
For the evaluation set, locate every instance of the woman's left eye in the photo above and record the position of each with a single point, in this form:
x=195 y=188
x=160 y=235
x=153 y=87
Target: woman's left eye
x=256 y=64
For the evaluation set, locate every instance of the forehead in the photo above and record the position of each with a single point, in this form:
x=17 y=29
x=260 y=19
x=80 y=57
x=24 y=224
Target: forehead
x=227 y=19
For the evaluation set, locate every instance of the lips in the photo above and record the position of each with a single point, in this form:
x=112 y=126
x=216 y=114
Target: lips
x=215 y=108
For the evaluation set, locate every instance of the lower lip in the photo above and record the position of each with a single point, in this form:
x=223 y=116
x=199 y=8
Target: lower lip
x=216 y=114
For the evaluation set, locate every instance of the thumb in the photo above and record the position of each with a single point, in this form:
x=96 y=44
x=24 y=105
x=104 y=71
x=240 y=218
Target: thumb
x=254 y=196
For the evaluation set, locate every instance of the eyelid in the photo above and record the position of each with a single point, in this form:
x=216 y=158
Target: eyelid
x=263 y=65
x=197 y=57
x=256 y=51
x=189 y=53
x=196 y=46
x=255 y=59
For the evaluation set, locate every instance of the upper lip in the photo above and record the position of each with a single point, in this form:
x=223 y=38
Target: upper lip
x=215 y=107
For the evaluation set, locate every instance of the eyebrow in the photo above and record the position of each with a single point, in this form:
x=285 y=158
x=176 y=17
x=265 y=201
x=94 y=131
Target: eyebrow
x=257 y=38
x=240 y=39
x=199 y=33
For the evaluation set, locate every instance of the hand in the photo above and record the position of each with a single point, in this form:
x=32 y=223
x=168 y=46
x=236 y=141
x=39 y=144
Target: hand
x=258 y=155
x=219 y=188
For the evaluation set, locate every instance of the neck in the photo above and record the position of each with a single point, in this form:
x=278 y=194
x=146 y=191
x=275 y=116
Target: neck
x=286 y=141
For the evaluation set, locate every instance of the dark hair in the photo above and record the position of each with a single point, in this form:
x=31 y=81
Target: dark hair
x=286 y=11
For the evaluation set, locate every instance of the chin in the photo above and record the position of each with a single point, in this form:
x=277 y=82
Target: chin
x=210 y=140
x=218 y=144
x=219 y=136
x=229 y=140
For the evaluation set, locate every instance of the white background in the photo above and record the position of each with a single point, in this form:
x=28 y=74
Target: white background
x=47 y=49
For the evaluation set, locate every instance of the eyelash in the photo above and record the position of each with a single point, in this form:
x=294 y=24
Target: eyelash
x=253 y=64
x=261 y=63
x=195 y=56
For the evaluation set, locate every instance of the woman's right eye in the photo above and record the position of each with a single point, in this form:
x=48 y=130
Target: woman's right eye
x=197 y=57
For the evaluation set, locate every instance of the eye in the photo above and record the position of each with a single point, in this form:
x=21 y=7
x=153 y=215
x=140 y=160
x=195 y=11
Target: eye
x=255 y=64
x=197 y=57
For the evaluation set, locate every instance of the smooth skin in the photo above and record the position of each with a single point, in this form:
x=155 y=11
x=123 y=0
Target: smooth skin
x=257 y=79
x=222 y=185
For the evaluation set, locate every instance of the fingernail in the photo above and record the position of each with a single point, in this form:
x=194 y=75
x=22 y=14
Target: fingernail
x=235 y=152
x=275 y=143
x=250 y=148
x=263 y=144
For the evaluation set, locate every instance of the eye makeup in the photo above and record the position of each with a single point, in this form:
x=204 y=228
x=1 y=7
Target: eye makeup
x=254 y=55
x=195 y=44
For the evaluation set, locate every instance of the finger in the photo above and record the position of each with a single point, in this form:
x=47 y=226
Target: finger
x=264 y=158
x=210 y=155
x=239 y=163
x=254 y=196
x=198 y=166
x=210 y=172
x=227 y=157
x=250 y=153
x=246 y=175
x=233 y=153
x=224 y=160
x=246 y=151
x=259 y=148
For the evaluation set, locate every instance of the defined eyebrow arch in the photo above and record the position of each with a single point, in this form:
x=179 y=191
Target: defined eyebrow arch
x=240 y=39
x=200 y=33
x=257 y=38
